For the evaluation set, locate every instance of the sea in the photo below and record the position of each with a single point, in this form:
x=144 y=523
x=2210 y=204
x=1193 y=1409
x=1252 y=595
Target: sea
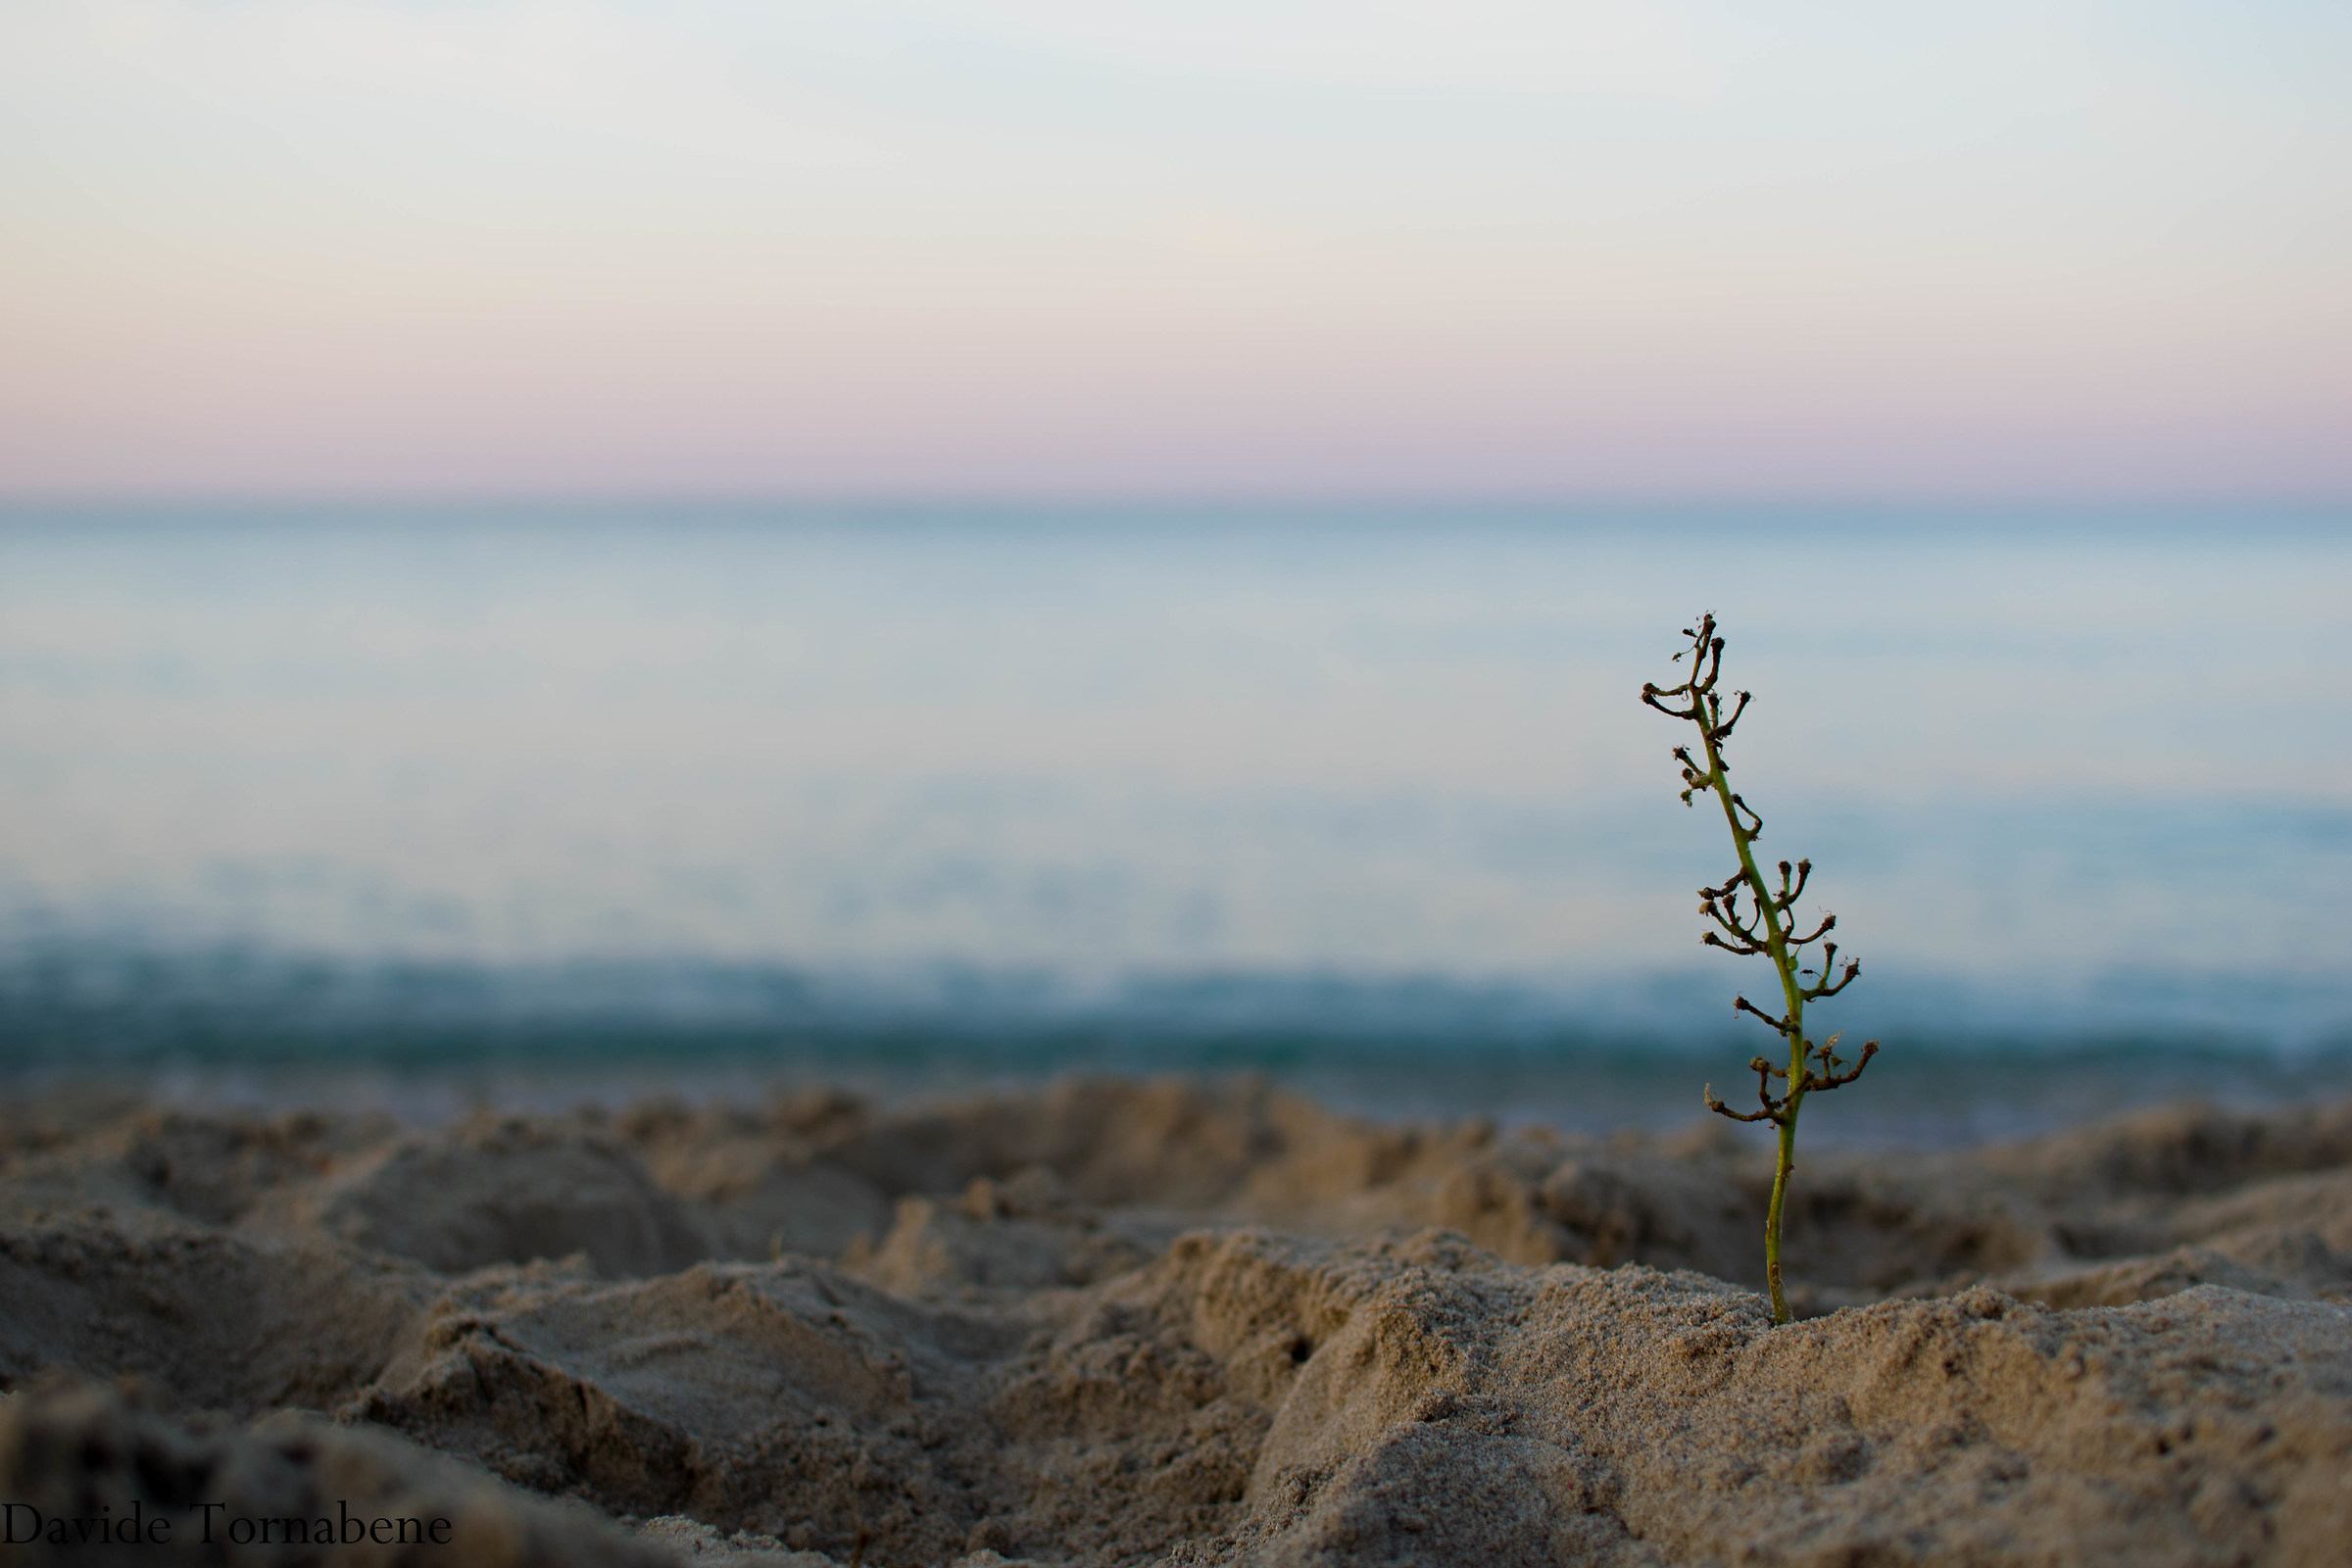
x=432 y=807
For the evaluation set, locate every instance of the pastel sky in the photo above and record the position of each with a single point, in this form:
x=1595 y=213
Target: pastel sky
x=1073 y=247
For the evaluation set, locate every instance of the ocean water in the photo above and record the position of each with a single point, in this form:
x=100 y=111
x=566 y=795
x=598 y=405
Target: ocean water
x=452 y=801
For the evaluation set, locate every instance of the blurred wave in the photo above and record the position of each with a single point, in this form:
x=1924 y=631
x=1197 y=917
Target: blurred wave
x=276 y=1028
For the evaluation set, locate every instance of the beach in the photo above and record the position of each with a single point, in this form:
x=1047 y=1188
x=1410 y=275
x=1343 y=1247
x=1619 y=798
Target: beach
x=914 y=786
x=1130 y=1321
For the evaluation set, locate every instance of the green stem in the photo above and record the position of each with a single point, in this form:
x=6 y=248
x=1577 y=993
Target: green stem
x=1772 y=1218
x=1783 y=962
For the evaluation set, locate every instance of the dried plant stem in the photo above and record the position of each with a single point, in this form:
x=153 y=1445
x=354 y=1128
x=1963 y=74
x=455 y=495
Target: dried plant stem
x=1768 y=926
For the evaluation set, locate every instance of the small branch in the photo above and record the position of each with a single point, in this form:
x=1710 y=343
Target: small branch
x=1727 y=916
x=1853 y=967
x=1719 y=733
x=1651 y=693
x=1754 y=827
x=1775 y=1108
x=1829 y=923
x=1721 y=1109
x=1835 y=1079
x=1743 y=1004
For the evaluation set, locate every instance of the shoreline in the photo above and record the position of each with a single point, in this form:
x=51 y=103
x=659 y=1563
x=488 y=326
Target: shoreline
x=1933 y=1094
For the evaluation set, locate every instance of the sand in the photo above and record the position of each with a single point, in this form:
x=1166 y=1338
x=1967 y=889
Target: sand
x=1113 y=1322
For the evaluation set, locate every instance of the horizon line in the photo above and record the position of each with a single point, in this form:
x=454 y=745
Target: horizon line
x=1155 y=500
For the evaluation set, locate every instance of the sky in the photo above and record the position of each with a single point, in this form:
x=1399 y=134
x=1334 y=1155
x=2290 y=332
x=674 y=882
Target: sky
x=1085 y=247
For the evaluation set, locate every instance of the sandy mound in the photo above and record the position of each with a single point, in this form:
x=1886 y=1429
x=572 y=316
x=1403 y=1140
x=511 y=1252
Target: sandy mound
x=1129 y=1323
x=496 y=1190
x=205 y=1317
x=1259 y=1399
x=78 y=1462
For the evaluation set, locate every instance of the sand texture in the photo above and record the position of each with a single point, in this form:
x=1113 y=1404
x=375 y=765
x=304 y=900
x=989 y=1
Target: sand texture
x=1112 y=1322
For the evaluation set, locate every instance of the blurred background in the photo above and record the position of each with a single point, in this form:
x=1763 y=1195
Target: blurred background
x=556 y=548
